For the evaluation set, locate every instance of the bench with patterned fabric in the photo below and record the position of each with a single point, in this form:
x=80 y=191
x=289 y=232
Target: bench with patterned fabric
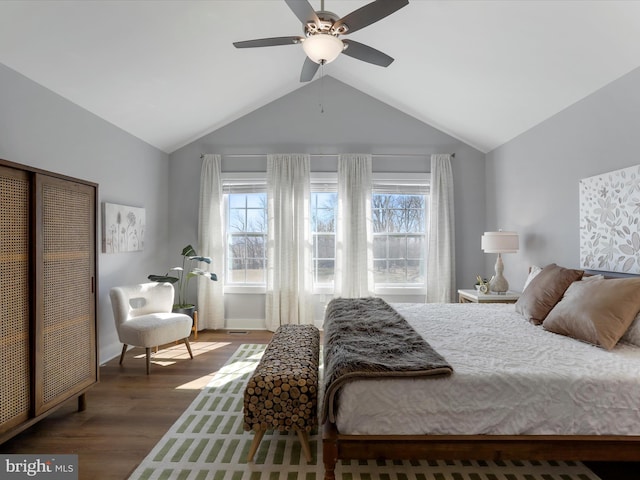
x=282 y=393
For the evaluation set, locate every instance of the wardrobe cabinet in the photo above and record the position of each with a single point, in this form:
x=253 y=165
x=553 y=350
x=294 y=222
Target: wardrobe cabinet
x=48 y=300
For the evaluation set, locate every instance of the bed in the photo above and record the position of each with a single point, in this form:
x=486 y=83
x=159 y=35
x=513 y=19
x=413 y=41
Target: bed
x=519 y=389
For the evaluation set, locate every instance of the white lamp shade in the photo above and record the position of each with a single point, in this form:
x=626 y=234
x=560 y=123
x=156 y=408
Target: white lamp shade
x=500 y=242
x=322 y=47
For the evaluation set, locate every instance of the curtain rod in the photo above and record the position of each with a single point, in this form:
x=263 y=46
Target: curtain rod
x=252 y=155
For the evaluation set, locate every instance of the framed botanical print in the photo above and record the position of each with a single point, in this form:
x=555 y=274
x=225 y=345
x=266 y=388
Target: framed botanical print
x=122 y=228
x=610 y=221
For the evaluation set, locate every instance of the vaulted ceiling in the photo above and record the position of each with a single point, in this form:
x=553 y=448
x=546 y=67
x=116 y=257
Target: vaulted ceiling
x=483 y=71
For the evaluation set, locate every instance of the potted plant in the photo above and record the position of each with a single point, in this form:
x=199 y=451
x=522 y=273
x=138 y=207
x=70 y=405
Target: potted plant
x=182 y=276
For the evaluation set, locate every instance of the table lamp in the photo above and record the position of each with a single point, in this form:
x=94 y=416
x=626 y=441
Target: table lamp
x=499 y=242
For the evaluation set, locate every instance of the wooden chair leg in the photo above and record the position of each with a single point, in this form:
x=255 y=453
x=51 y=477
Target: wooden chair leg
x=124 y=350
x=303 y=436
x=257 y=438
x=148 y=351
x=186 y=342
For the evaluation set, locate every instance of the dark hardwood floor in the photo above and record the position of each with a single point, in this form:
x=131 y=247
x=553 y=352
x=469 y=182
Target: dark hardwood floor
x=128 y=412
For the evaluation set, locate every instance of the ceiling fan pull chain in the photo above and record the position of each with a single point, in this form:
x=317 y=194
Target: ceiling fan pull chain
x=322 y=87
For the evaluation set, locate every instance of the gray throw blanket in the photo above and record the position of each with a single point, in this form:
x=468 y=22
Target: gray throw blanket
x=367 y=338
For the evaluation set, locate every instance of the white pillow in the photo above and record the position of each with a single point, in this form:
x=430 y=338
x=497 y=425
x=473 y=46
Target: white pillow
x=590 y=278
x=533 y=273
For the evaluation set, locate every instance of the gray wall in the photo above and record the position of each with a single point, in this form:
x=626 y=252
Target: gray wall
x=352 y=122
x=42 y=129
x=532 y=181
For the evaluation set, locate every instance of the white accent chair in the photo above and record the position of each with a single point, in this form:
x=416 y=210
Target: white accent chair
x=144 y=318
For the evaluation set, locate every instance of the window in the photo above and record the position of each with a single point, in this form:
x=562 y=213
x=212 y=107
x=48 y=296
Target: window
x=399 y=238
x=246 y=237
x=323 y=232
x=399 y=209
x=399 y=212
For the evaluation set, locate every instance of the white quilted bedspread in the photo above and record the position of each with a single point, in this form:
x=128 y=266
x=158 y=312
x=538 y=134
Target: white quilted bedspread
x=510 y=378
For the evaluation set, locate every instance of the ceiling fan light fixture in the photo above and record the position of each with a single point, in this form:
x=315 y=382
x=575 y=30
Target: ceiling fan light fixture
x=322 y=47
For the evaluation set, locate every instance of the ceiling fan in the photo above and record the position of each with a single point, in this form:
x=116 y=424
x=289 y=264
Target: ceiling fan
x=322 y=30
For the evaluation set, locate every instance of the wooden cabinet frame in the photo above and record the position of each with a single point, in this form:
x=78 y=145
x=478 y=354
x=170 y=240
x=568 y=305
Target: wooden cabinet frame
x=61 y=291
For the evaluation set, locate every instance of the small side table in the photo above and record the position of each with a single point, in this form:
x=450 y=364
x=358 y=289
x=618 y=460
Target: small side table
x=473 y=296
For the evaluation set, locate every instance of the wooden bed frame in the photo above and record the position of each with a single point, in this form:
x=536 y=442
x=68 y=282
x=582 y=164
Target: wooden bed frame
x=336 y=446
x=613 y=448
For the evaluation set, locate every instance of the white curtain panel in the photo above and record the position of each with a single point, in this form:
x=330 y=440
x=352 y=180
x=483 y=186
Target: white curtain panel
x=288 y=299
x=354 y=231
x=441 y=264
x=211 y=244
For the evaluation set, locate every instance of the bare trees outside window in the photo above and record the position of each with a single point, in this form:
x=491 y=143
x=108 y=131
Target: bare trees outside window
x=247 y=238
x=399 y=237
x=323 y=231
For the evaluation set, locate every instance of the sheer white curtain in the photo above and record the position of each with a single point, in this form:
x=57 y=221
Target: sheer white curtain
x=211 y=244
x=441 y=264
x=354 y=232
x=289 y=281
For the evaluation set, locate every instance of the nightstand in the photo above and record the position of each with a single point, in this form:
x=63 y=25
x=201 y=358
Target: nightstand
x=473 y=296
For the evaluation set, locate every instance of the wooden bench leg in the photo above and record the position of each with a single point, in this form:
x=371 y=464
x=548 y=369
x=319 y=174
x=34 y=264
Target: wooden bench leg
x=303 y=436
x=257 y=438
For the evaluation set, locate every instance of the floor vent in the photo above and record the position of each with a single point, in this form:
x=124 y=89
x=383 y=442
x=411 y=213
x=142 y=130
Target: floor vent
x=237 y=332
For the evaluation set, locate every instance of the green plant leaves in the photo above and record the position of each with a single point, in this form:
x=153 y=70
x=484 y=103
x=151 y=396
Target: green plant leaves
x=200 y=259
x=162 y=278
x=184 y=274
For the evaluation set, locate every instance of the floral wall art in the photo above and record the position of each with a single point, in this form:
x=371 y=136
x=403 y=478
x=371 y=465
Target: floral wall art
x=122 y=228
x=610 y=221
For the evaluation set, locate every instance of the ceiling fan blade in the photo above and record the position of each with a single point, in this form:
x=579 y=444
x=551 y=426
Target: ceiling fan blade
x=366 y=53
x=267 y=42
x=303 y=10
x=309 y=69
x=369 y=14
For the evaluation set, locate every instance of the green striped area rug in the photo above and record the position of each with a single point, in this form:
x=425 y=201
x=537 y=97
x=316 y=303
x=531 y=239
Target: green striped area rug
x=208 y=442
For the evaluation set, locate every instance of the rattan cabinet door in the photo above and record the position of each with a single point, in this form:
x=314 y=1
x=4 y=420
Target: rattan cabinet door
x=15 y=377
x=65 y=290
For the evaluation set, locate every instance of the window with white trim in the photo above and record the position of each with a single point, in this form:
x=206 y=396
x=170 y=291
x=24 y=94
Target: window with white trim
x=399 y=207
x=246 y=232
x=323 y=234
x=399 y=237
x=399 y=210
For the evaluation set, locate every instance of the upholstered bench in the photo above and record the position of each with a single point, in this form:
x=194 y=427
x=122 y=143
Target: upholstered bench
x=282 y=393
